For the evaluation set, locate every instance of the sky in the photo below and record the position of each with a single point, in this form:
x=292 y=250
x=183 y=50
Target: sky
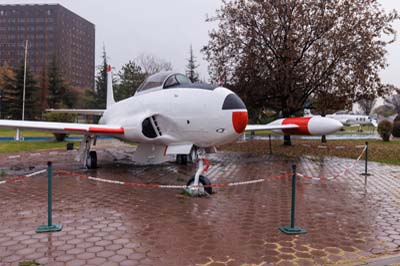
x=166 y=29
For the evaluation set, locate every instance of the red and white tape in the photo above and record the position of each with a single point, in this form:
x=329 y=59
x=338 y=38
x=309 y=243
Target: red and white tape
x=337 y=175
x=142 y=185
x=18 y=178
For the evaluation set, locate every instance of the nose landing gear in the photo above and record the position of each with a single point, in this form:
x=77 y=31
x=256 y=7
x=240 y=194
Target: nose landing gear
x=199 y=184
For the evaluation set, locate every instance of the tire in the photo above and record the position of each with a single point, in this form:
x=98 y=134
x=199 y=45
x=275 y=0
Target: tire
x=181 y=159
x=203 y=180
x=91 y=161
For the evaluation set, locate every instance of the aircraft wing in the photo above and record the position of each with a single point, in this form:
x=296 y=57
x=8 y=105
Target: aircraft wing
x=67 y=128
x=98 y=112
x=270 y=127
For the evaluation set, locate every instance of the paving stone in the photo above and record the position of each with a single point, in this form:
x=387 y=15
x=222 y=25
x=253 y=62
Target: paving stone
x=120 y=225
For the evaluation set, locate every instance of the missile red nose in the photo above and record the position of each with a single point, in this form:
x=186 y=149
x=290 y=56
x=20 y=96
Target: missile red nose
x=239 y=121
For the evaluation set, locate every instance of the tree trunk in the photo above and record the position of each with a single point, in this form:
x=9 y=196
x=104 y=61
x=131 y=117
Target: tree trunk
x=287 y=141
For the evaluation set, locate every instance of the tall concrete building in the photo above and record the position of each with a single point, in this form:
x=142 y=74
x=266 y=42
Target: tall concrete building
x=51 y=30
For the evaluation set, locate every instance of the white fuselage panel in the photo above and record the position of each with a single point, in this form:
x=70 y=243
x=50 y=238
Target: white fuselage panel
x=183 y=115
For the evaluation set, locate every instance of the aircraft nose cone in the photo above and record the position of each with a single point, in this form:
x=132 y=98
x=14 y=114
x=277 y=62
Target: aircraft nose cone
x=323 y=126
x=239 y=121
x=333 y=125
x=338 y=125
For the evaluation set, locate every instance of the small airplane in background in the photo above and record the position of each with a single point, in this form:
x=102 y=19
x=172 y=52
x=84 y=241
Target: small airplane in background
x=171 y=116
x=348 y=118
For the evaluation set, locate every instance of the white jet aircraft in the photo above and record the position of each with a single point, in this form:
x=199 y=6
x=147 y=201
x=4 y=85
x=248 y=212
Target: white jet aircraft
x=349 y=118
x=169 y=115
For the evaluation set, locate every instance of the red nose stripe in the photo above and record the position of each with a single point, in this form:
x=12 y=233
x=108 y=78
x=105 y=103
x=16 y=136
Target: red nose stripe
x=302 y=122
x=239 y=121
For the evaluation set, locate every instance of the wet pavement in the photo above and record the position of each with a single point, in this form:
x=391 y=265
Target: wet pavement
x=110 y=224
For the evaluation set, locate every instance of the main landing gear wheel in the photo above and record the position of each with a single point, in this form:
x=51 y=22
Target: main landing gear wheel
x=182 y=159
x=91 y=160
x=203 y=181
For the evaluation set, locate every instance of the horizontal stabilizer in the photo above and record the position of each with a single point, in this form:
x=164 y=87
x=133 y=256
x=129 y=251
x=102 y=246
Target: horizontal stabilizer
x=98 y=112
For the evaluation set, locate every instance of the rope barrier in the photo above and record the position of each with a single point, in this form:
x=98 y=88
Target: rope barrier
x=19 y=178
x=143 y=185
x=338 y=175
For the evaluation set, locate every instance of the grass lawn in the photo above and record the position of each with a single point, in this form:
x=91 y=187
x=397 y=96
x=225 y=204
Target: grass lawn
x=13 y=147
x=378 y=151
x=9 y=132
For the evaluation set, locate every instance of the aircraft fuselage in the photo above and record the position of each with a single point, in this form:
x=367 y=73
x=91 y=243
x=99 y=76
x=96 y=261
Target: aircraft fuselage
x=179 y=115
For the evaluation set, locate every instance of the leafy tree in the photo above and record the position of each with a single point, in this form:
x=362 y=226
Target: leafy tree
x=130 y=77
x=87 y=99
x=13 y=95
x=5 y=73
x=279 y=53
x=326 y=102
x=57 y=89
x=385 y=129
x=152 y=64
x=396 y=129
x=44 y=88
x=191 y=67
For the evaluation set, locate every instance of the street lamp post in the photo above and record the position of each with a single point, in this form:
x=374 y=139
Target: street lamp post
x=18 y=135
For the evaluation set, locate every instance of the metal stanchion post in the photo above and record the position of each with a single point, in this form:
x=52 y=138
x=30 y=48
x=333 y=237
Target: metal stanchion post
x=292 y=229
x=366 y=174
x=49 y=227
x=270 y=145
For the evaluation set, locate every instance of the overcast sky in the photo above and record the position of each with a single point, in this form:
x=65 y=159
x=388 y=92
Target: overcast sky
x=166 y=29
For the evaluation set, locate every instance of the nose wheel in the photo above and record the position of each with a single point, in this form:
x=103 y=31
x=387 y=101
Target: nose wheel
x=204 y=185
x=199 y=184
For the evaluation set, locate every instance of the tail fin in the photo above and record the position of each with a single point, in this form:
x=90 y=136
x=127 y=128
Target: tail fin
x=110 y=92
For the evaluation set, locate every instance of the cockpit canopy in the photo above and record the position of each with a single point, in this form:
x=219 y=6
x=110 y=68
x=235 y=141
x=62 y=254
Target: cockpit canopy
x=163 y=80
x=170 y=80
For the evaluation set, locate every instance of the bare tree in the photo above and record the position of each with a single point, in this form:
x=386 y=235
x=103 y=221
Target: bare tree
x=276 y=54
x=151 y=64
x=367 y=104
x=394 y=101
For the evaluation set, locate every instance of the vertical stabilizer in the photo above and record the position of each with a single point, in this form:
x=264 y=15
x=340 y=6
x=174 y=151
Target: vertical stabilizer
x=110 y=92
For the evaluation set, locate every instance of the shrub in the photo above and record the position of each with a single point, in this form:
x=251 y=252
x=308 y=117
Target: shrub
x=385 y=129
x=59 y=117
x=396 y=129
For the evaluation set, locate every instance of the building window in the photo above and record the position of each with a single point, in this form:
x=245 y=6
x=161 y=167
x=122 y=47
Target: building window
x=1 y=12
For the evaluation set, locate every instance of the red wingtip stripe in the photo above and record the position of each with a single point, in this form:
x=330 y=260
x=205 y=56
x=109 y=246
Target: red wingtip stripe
x=98 y=130
x=106 y=130
x=109 y=68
